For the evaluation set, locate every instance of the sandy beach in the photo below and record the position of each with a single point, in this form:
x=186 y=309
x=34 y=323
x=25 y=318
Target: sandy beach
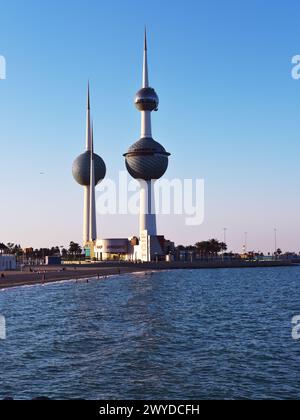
x=43 y=275
x=51 y=274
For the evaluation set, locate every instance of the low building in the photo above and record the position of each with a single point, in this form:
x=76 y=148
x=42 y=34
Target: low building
x=148 y=248
x=113 y=249
x=53 y=260
x=8 y=263
x=154 y=248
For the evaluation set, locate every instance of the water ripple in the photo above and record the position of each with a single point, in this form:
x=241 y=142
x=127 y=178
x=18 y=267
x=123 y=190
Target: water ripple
x=210 y=334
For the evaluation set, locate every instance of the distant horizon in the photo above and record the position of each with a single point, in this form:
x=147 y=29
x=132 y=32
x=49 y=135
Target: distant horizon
x=228 y=114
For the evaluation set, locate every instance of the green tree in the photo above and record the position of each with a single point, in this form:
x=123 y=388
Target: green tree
x=211 y=247
x=64 y=253
x=3 y=249
x=75 y=249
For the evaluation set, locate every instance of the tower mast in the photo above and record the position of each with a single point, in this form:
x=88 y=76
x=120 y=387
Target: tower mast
x=87 y=188
x=145 y=67
x=88 y=122
x=146 y=126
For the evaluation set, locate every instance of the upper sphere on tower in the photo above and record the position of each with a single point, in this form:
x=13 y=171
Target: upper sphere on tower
x=146 y=99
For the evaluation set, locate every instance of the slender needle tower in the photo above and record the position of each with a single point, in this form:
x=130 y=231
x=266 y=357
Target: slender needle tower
x=147 y=160
x=92 y=216
x=89 y=170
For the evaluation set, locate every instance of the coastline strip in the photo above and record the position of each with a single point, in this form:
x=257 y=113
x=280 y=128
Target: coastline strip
x=56 y=274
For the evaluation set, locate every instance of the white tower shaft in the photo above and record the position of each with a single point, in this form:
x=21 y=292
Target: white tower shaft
x=147 y=208
x=93 y=220
x=86 y=215
x=146 y=128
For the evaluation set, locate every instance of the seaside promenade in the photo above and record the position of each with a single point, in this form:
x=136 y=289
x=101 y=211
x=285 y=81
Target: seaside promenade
x=50 y=274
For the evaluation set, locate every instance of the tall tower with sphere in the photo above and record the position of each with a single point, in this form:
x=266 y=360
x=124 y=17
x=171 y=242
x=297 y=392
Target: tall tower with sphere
x=147 y=160
x=88 y=171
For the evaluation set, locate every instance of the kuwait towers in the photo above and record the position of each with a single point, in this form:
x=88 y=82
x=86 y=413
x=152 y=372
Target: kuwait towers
x=89 y=170
x=147 y=161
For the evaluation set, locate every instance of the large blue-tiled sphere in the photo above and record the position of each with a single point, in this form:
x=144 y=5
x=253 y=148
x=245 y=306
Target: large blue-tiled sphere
x=82 y=169
x=147 y=160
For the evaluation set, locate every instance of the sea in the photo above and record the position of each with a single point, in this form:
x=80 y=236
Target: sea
x=176 y=335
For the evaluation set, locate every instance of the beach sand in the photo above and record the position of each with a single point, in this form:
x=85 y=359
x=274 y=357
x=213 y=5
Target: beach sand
x=51 y=274
x=44 y=275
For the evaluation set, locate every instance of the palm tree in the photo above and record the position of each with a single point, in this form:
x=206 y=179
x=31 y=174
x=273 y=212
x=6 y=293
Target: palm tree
x=75 y=249
x=223 y=247
x=211 y=248
x=10 y=247
x=3 y=248
x=215 y=246
x=64 y=252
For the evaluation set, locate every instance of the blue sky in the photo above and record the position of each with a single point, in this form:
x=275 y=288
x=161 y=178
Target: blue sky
x=229 y=112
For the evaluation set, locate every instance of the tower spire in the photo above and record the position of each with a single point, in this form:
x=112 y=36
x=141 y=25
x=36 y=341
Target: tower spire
x=92 y=139
x=88 y=121
x=145 y=66
x=88 y=97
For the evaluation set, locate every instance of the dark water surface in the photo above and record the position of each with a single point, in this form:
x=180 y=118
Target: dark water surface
x=208 y=334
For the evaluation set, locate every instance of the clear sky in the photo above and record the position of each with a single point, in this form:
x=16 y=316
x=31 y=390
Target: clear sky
x=229 y=112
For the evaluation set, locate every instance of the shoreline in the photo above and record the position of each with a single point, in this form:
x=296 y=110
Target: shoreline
x=56 y=274
x=21 y=279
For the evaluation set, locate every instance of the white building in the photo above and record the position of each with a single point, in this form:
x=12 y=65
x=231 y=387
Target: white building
x=8 y=262
x=148 y=248
x=109 y=249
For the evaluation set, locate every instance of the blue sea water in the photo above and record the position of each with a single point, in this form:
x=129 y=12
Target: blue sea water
x=207 y=334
